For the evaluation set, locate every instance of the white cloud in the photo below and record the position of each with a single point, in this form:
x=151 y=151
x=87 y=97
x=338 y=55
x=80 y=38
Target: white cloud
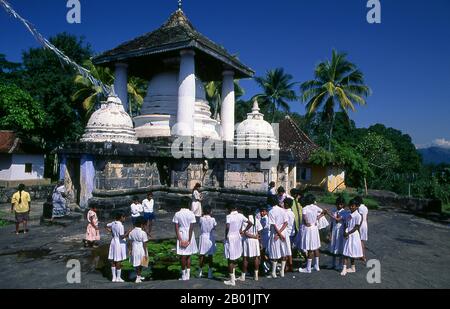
x=439 y=142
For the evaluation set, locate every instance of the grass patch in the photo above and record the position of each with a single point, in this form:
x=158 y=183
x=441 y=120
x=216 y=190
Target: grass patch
x=330 y=198
x=164 y=264
x=4 y=222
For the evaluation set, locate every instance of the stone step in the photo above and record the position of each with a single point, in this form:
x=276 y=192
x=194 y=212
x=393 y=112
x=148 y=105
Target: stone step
x=71 y=218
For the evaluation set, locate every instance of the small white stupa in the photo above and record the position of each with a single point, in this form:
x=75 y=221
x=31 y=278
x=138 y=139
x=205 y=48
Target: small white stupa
x=255 y=132
x=110 y=123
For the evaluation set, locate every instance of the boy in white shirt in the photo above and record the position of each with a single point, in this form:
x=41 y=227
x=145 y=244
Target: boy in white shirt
x=149 y=214
x=136 y=209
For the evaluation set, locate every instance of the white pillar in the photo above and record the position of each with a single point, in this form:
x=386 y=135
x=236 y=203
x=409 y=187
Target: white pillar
x=228 y=102
x=120 y=83
x=286 y=173
x=186 y=94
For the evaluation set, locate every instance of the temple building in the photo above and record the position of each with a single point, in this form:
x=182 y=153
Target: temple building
x=119 y=157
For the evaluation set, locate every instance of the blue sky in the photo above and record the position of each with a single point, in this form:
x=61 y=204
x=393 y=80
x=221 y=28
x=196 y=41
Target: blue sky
x=406 y=58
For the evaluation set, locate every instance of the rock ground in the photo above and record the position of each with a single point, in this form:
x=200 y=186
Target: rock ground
x=414 y=253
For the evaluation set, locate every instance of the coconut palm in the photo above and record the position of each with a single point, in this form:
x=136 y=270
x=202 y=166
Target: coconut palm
x=277 y=89
x=336 y=83
x=90 y=95
x=214 y=94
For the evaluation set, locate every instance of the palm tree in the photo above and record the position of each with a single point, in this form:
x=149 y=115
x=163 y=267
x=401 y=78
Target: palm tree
x=90 y=95
x=278 y=90
x=214 y=94
x=336 y=82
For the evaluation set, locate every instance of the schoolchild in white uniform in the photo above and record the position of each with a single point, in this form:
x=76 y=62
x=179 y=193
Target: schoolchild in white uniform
x=233 y=240
x=251 y=247
x=265 y=235
x=196 y=206
x=136 y=209
x=363 y=229
x=352 y=246
x=207 y=241
x=138 y=238
x=184 y=221
x=148 y=206
x=338 y=218
x=118 y=246
x=290 y=232
x=279 y=246
x=310 y=234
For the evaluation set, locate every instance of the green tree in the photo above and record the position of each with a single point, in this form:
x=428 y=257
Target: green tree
x=214 y=95
x=19 y=111
x=337 y=82
x=278 y=91
x=50 y=83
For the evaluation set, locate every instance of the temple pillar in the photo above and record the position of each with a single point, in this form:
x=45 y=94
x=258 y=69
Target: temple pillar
x=87 y=175
x=228 y=104
x=286 y=175
x=121 y=83
x=186 y=94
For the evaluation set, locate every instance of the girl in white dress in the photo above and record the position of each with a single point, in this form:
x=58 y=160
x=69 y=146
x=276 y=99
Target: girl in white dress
x=207 y=241
x=310 y=235
x=363 y=229
x=290 y=232
x=265 y=236
x=138 y=238
x=196 y=206
x=118 y=246
x=338 y=218
x=279 y=240
x=251 y=248
x=352 y=245
x=184 y=221
x=233 y=240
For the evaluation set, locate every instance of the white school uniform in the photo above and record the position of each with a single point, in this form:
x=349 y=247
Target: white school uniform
x=207 y=239
x=265 y=233
x=196 y=206
x=251 y=245
x=147 y=205
x=322 y=222
x=136 y=210
x=310 y=233
x=118 y=246
x=363 y=229
x=337 y=231
x=184 y=218
x=233 y=243
x=352 y=245
x=278 y=248
x=138 y=237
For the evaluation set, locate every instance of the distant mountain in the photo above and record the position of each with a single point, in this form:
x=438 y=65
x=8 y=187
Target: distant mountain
x=435 y=155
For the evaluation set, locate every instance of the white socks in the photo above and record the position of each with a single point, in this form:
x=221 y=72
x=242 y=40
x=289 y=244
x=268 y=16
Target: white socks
x=256 y=275
x=274 y=269
x=183 y=274
x=242 y=277
x=118 y=278
x=188 y=274
x=283 y=266
x=200 y=272
x=307 y=269
x=113 y=271
x=232 y=280
x=316 y=264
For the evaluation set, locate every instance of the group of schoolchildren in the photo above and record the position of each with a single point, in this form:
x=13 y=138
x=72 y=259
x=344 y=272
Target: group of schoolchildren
x=268 y=235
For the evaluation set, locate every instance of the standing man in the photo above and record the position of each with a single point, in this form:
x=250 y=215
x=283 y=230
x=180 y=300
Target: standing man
x=20 y=205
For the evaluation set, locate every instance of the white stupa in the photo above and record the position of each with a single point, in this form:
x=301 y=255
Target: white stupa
x=110 y=123
x=159 y=110
x=255 y=132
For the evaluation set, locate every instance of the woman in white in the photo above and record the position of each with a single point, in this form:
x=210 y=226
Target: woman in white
x=310 y=234
x=196 y=206
x=251 y=248
x=207 y=241
x=352 y=246
x=184 y=221
x=118 y=246
x=278 y=243
x=363 y=229
x=139 y=239
x=290 y=231
x=233 y=240
x=338 y=219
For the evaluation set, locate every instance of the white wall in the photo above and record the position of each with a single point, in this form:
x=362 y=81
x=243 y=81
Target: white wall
x=17 y=167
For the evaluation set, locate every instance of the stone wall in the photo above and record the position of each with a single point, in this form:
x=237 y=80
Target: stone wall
x=245 y=175
x=37 y=193
x=415 y=205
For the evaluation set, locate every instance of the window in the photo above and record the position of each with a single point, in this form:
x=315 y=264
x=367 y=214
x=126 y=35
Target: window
x=304 y=174
x=28 y=168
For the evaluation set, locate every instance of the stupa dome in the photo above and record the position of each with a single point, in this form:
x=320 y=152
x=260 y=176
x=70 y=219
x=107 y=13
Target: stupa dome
x=255 y=132
x=160 y=107
x=110 y=123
